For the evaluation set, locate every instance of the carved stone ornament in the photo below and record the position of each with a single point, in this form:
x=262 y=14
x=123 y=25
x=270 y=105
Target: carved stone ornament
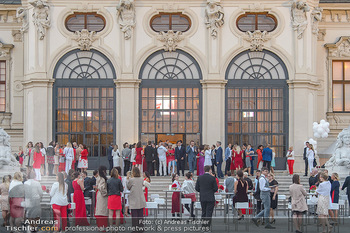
x=316 y=17
x=85 y=39
x=170 y=39
x=321 y=34
x=22 y=15
x=5 y=49
x=299 y=18
x=17 y=35
x=214 y=16
x=257 y=39
x=41 y=17
x=339 y=49
x=126 y=17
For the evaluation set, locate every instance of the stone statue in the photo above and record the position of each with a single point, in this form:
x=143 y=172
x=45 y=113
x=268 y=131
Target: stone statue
x=22 y=14
x=6 y=158
x=341 y=156
x=41 y=17
x=126 y=17
x=85 y=39
x=316 y=17
x=214 y=15
x=257 y=39
x=299 y=19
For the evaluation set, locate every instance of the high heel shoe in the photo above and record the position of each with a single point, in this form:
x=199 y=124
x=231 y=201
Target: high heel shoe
x=240 y=217
x=273 y=221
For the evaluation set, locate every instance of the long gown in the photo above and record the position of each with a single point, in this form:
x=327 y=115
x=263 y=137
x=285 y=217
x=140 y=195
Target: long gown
x=201 y=160
x=80 y=208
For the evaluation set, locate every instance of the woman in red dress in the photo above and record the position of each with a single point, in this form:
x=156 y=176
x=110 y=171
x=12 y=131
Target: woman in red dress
x=260 y=158
x=138 y=158
x=37 y=162
x=237 y=154
x=79 y=200
x=146 y=183
x=115 y=189
x=175 y=199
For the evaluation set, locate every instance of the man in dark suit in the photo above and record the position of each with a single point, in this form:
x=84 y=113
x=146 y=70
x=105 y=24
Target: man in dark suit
x=180 y=155
x=347 y=186
x=110 y=157
x=206 y=186
x=88 y=185
x=305 y=157
x=149 y=157
x=267 y=156
x=219 y=159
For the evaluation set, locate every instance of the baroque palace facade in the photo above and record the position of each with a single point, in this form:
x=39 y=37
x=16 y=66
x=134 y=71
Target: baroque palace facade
x=237 y=71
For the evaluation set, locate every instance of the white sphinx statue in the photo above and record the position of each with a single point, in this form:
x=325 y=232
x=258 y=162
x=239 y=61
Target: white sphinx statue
x=340 y=159
x=8 y=162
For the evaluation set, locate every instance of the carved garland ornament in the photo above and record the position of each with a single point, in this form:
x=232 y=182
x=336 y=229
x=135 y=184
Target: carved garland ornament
x=339 y=49
x=257 y=39
x=85 y=39
x=126 y=17
x=214 y=15
x=41 y=17
x=170 y=40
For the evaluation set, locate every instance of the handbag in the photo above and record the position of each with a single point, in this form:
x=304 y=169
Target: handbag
x=314 y=163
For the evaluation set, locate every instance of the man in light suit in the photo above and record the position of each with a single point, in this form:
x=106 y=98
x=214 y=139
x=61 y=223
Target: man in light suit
x=191 y=152
x=219 y=159
x=228 y=156
x=180 y=155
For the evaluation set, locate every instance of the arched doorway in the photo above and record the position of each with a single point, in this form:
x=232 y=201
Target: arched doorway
x=84 y=102
x=257 y=101
x=170 y=98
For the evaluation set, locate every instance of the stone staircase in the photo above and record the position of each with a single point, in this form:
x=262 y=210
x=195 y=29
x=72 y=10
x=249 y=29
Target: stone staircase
x=161 y=183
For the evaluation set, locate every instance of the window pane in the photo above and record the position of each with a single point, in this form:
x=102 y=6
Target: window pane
x=347 y=97
x=246 y=23
x=337 y=70
x=76 y=23
x=179 y=23
x=161 y=23
x=95 y=23
x=266 y=23
x=337 y=97
x=347 y=70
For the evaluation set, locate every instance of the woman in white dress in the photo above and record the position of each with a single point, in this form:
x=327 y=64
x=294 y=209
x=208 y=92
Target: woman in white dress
x=311 y=157
x=116 y=156
x=133 y=155
x=324 y=202
x=207 y=155
x=125 y=180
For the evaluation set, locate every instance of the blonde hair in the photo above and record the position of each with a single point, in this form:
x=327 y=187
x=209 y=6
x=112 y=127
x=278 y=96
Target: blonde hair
x=69 y=144
x=335 y=175
x=206 y=147
x=115 y=147
x=311 y=147
x=128 y=175
x=18 y=176
x=6 y=181
x=272 y=175
x=238 y=148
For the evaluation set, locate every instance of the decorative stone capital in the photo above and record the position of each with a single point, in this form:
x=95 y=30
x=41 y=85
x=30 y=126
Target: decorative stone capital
x=257 y=39
x=170 y=39
x=41 y=17
x=127 y=83
x=299 y=18
x=84 y=39
x=214 y=16
x=126 y=17
x=5 y=50
x=213 y=84
x=339 y=49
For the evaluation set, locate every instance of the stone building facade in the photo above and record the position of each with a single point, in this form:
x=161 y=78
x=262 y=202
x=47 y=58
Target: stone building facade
x=236 y=71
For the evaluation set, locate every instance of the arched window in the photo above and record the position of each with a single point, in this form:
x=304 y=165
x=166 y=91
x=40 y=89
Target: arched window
x=256 y=21
x=257 y=100
x=90 y=21
x=170 y=94
x=84 y=102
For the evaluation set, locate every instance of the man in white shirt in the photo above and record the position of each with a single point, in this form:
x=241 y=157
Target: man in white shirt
x=265 y=199
x=162 y=158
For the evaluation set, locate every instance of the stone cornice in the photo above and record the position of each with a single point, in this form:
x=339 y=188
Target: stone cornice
x=303 y=84
x=127 y=82
x=208 y=84
x=37 y=82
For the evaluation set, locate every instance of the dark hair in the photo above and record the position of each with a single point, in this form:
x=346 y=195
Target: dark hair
x=213 y=146
x=70 y=173
x=138 y=145
x=264 y=169
x=245 y=144
x=207 y=168
x=119 y=170
x=191 y=141
x=188 y=175
x=149 y=143
x=124 y=145
x=76 y=175
x=179 y=141
x=228 y=173
x=260 y=146
x=258 y=170
x=114 y=173
x=102 y=170
x=62 y=184
x=94 y=172
x=296 y=179
x=136 y=172
x=84 y=146
x=85 y=173
x=201 y=147
x=148 y=175
x=240 y=174
x=173 y=177
x=52 y=143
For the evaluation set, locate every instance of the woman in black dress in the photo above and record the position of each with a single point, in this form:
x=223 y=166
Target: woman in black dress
x=241 y=190
x=273 y=194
